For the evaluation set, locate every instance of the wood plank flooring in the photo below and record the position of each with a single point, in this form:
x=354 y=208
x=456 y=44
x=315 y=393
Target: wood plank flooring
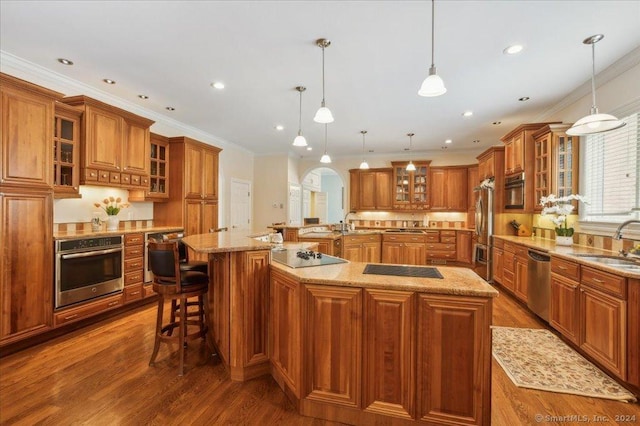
x=99 y=376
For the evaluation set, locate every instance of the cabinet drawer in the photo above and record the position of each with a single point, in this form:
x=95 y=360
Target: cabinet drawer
x=103 y=176
x=125 y=178
x=133 y=239
x=441 y=247
x=508 y=261
x=134 y=251
x=521 y=251
x=133 y=265
x=91 y=175
x=405 y=238
x=144 y=181
x=114 y=177
x=433 y=237
x=498 y=243
x=441 y=255
x=147 y=291
x=565 y=268
x=604 y=281
x=444 y=239
x=87 y=310
x=132 y=293
x=447 y=234
x=133 y=277
x=135 y=180
x=510 y=247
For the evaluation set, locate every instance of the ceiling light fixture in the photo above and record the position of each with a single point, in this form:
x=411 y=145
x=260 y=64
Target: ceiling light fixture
x=410 y=167
x=170 y=108
x=279 y=127
x=524 y=99
x=476 y=141
x=433 y=84
x=325 y=157
x=594 y=122
x=217 y=85
x=497 y=123
x=323 y=115
x=467 y=113
x=64 y=61
x=448 y=141
x=513 y=49
x=109 y=81
x=300 y=140
x=364 y=164
x=143 y=96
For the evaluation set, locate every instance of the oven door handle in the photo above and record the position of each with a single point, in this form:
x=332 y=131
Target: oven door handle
x=90 y=253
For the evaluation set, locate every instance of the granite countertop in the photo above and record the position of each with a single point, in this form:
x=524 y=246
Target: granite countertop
x=333 y=235
x=103 y=233
x=570 y=252
x=455 y=281
x=230 y=241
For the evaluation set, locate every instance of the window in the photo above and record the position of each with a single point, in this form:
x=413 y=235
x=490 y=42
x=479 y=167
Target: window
x=610 y=171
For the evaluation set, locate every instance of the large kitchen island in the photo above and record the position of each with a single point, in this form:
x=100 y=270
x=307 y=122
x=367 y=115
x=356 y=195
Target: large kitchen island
x=353 y=347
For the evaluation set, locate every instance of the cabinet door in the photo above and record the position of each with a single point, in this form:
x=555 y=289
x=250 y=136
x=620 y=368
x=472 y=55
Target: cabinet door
x=368 y=190
x=563 y=307
x=392 y=253
x=103 y=139
x=518 y=153
x=352 y=252
x=136 y=148
x=209 y=216
x=371 y=252
x=333 y=330
x=456 y=191
x=354 y=189
x=27 y=135
x=414 y=254
x=389 y=363
x=508 y=272
x=26 y=277
x=193 y=169
x=210 y=174
x=438 y=189
x=383 y=190
x=498 y=265
x=192 y=217
x=66 y=154
x=464 y=246
x=520 y=278
x=603 y=331
x=472 y=182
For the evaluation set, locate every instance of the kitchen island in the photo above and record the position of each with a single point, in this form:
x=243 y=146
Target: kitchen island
x=352 y=347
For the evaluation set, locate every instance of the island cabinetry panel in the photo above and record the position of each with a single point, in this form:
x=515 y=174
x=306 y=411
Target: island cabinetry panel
x=454 y=360
x=219 y=296
x=564 y=304
x=26 y=266
x=285 y=340
x=27 y=113
x=362 y=248
x=389 y=356
x=404 y=249
x=633 y=332
x=333 y=346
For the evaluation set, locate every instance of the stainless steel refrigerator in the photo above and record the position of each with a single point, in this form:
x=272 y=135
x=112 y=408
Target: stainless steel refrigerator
x=482 y=255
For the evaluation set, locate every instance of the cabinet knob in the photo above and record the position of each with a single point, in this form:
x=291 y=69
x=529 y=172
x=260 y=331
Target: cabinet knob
x=117 y=167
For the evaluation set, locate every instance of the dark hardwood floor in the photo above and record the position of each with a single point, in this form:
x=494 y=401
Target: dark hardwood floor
x=99 y=375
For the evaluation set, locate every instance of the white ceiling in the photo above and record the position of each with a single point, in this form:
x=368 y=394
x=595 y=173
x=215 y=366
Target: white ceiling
x=380 y=53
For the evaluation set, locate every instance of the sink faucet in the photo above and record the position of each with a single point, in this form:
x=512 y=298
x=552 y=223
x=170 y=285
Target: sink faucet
x=618 y=234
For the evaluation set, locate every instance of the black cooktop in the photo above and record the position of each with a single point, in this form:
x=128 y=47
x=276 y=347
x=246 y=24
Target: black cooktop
x=303 y=258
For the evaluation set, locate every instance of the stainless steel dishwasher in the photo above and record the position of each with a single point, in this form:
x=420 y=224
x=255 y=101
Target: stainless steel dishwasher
x=539 y=283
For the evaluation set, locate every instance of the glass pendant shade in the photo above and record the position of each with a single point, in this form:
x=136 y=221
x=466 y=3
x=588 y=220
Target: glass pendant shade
x=300 y=140
x=432 y=85
x=325 y=158
x=323 y=115
x=411 y=167
x=595 y=123
x=364 y=165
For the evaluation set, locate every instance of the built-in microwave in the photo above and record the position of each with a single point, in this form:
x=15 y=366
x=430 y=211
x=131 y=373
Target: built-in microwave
x=514 y=192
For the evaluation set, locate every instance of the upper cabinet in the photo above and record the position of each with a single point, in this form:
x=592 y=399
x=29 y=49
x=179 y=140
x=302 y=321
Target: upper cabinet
x=27 y=135
x=115 y=145
x=410 y=189
x=556 y=162
x=158 y=189
x=491 y=163
x=66 y=151
x=375 y=189
x=448 y=188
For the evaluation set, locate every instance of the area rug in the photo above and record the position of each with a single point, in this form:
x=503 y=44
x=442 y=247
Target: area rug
x=538 y=359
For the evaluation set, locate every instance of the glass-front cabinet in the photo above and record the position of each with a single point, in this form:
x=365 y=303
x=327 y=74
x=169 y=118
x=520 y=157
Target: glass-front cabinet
x=556 y=162
x=66 y=141
x=410 y=188
x=159 y=176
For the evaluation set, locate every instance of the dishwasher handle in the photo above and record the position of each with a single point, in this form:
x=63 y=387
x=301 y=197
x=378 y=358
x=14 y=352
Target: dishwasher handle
x=539 y=257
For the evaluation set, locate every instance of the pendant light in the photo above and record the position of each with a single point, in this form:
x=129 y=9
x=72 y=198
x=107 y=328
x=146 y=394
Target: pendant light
x=300 y=140
x=364 y=164
x=410 y=167
x=594 y=122
x=433 y=84
x=323 y=115
x=325 y=157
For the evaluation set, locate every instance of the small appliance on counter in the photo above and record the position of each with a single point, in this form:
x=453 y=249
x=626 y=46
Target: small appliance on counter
x=304 y=258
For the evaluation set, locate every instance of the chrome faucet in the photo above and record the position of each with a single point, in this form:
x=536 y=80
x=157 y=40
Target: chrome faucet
x=618 y=234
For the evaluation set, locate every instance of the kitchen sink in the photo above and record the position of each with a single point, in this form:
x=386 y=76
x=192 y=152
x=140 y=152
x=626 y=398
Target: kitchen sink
x=613 y=261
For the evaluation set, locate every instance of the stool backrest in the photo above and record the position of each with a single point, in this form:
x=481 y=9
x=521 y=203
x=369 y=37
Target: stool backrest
x=164 y=262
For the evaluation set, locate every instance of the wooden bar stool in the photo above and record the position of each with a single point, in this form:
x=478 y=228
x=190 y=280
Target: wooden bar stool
x=170 y=282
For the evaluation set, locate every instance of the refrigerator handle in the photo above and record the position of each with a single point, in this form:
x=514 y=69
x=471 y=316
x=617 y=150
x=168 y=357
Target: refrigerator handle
x=479 y=217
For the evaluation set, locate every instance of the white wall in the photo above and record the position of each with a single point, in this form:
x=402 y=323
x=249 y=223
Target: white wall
x=332 y=185
x=270 y=189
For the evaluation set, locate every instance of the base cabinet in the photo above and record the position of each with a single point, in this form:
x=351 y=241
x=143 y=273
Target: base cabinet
x=362 y=248
x=564 y=307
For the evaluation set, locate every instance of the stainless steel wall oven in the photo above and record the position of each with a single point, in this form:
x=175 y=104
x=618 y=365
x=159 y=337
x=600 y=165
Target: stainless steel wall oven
x=514 y=192
x=87 y=268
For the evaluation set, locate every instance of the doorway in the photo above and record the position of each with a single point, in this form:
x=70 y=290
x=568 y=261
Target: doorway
x=326 y=199
x=240 y=205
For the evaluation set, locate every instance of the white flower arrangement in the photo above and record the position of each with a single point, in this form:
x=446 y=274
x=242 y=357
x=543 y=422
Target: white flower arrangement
x=488 y=183
x=561 y=207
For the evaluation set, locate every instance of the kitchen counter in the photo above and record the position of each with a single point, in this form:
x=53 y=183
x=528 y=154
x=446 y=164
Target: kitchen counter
x=104 y=233
x=570 y=252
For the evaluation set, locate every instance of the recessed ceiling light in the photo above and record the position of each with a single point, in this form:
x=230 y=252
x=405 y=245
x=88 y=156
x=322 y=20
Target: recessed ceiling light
x=217 y=85
x=513 y=49
x=170 y=108
x=476 y=141
x=65 y=61
x=467 y=113
x=523 y=99
x=444 y=147
x=309 y=148
x=143 y=96
x=109 y=81
x=279 y=127
x=497 y=123
x=448 y=141
x=371 y=150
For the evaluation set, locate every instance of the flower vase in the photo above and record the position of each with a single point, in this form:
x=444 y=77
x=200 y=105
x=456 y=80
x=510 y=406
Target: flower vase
x=112 y=223
x=564 y=241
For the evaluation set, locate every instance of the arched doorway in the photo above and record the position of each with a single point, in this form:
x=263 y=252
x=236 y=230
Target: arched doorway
x=323 y=195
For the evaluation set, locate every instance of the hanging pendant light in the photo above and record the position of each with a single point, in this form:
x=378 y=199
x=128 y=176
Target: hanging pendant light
x=594 y=122
x=325 y=157
x=410 y=167
x=323 y=115
x=433 y=84
x=364 y=164
x=300 y=140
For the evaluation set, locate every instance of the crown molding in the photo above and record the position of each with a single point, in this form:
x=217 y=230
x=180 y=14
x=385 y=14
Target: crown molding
x=21 y=68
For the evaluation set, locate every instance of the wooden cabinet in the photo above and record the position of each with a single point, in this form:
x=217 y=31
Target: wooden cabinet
x=324 y=245
x=133 y=267
x=472 y=199
x=410 y=189
x=404 y=249
x=388 y=360
x=362 y=248
x=441 y=247
x=26 y=152
x=66 y=151
x=115 y=145
x=448 y=188
x=508 y=271
x=564 y=304
x=514 y=154
x=491 y=165
x=158 y=189
x=193 y=176
x=371 y=189
x=521 y=262
x=497 y=266
x=464 y=246
x=26 y=277
x=87 y=310
x=556 y=162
